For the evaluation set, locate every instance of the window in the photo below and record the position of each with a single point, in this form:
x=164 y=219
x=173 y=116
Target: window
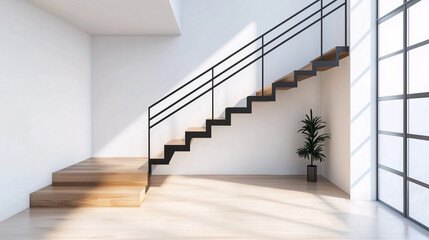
x=403 y=107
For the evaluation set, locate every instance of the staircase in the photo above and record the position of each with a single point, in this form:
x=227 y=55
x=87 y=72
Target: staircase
x=330 y=59
x=122 y=182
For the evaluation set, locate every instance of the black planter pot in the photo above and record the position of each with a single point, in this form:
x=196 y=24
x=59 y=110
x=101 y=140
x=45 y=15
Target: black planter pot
x=311 y=173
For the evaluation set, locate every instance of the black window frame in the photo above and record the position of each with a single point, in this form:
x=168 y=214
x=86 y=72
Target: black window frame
x=405 y=96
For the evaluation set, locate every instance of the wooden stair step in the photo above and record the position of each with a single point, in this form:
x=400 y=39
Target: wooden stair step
x=176 y=142
x=88 y=196
x=104 y=171
x=196 y=129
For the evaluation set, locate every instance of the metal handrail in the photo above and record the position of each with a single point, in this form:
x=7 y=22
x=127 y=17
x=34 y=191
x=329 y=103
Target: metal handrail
x=239 y=50
x=236 y=63
x=261 y=37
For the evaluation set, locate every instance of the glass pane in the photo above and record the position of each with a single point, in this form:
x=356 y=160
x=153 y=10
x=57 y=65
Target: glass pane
x=419 y=199
x=418 y=118
x=390 y=189
x=418 y=18
x=390 y=38
x=390 y=76
x=390 y=115
x=418 y=162
x=418 y=62
x=386 y=6
x=390 y=151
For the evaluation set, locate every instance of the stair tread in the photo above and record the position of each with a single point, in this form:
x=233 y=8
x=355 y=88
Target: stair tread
x=104 y=172
x=196 y=129
x=159 y=156
x=108 y=165
x=176 y=142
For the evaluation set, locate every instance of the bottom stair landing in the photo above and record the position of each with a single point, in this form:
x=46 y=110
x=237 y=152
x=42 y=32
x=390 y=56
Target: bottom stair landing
x=96 y=182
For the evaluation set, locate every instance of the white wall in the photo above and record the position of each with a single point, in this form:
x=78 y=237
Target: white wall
x=45 y=103
x=362 y=99
x=130 y=73
x=335 y=95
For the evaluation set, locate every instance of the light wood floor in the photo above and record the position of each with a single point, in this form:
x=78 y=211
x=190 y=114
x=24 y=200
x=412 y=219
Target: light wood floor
x=221 y=207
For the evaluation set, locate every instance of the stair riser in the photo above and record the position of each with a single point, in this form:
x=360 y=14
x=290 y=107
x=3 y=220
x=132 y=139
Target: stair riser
x=189 y=138
x=190 y=135
x=210 y=123
x=169 y=149
x=230 y=111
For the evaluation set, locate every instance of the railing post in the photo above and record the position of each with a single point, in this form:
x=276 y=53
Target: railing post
x=148 y=140
x=321 y=30
x=345 y=23
x=212 y=93
x=262 y=65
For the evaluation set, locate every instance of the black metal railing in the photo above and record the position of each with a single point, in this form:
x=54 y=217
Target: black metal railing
x=263 y=54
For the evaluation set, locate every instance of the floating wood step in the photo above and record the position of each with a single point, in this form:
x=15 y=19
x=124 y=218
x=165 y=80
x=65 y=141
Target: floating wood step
x=88 y=196
x=96 y=182
x=196 y=129
x=104 y=171
x=176 y=142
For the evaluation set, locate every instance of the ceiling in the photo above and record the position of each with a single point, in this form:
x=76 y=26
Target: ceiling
x=116 y=17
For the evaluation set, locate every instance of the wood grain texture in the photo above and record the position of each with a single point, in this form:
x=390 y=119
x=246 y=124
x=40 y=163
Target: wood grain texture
x=176 y=142
x=96 y=182
x=104 y=171
x=196 y=129
x=221 y=207
x=84 y=196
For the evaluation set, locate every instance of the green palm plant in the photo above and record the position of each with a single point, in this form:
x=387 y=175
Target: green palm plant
x=313 y=146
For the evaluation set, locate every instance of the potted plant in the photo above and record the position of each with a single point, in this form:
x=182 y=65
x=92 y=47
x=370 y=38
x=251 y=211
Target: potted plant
x=313 y=146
